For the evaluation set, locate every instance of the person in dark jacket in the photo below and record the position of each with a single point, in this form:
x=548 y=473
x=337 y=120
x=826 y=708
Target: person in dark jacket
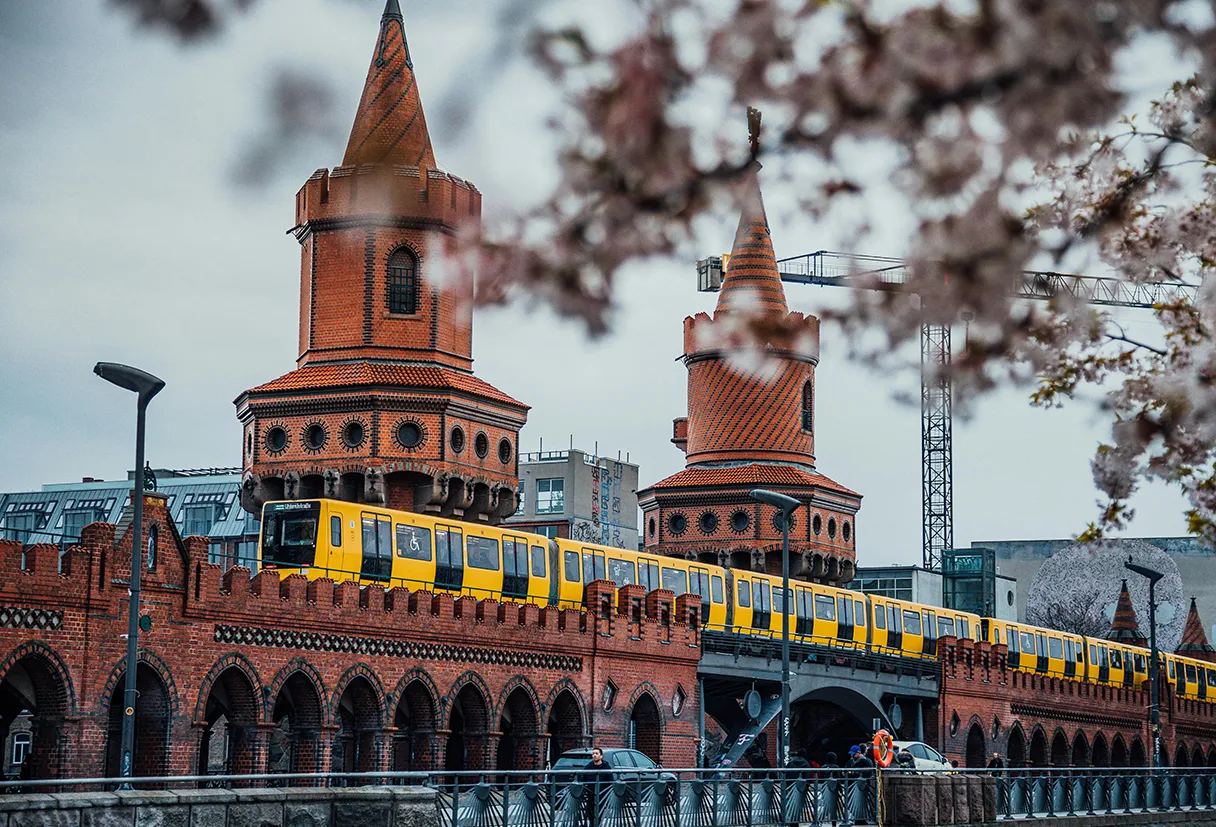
x=597 y=775
x=829 y=762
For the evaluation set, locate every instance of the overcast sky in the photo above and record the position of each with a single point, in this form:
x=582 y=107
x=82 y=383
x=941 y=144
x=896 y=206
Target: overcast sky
x=124 y=238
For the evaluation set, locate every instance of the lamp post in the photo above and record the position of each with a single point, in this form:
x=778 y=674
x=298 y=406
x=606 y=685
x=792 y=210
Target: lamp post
x=1154 y=712
x=146 y=386
x=787 y=506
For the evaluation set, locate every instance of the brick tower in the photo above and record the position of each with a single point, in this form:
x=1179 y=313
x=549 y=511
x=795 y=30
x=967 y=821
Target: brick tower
x=751 y=426
x=383 y=406
x=1125 y=628
x=1194 y=643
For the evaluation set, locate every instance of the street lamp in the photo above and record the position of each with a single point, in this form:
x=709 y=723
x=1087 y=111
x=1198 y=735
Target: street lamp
x=787 y=506
x=146 y=386
x=1154 y=714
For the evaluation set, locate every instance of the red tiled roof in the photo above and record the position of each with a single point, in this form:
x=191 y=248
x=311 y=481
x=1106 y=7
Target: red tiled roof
x=1194 y=642
x=1125 y=628
x=752 y=282
x=364 y=374
x=752 y=474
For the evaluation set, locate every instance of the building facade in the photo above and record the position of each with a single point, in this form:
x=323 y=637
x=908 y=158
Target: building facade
x=751 y=424
x=383 y=406
x=580 y=496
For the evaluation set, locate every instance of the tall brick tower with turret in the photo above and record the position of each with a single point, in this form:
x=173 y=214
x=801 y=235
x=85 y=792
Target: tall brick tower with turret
x=383 y=406
x=751 y=424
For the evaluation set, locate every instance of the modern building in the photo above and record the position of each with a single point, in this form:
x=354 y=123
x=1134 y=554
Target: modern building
x=968 y=582
x=751 y=426
x=203 y=503
x=578 y=495
x=900 y=582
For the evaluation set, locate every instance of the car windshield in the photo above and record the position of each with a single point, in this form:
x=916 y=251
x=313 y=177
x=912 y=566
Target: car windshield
x=573 y=762
x=289 y=533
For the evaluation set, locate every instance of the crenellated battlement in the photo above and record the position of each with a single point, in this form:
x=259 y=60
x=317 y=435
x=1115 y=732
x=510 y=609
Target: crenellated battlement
x=352 y=194
x=794 y=333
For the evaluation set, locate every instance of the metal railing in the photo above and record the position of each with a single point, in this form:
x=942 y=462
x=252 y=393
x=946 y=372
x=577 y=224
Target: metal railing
x=809 y=649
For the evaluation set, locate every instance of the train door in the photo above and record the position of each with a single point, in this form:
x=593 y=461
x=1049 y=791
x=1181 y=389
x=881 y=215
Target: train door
x=913 y=636
x=895 y=628
x=825 y=619
x=515 y=567
x=717 y=593
x=861 y=634
x=1203 y=683
x=1103 y=665
x=1041 y=663
x=743 y=616
x=1070 y=658
x=1014 y=657
x=543 y=584
x=415 y=566
x=844 y=618
x=805 y=623
x=1190 y=680
x=762 y=605
x=449 y=558
x=878 y=629
x=1177 y=676
x=377 y=562
x=929 y=625
x=595 y=567
x=698 y=583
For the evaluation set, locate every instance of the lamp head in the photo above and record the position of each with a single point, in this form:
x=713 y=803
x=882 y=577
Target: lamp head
x=787 y=505
x=133 y=379
x=1151 y=574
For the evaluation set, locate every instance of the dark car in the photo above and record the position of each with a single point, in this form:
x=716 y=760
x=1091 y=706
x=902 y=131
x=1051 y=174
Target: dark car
x=628 y=764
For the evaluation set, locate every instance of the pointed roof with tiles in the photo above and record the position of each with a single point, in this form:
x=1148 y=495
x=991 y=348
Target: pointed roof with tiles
x=752 y=283
x=1125 y=628
x=1194 y=642
x=390 y=127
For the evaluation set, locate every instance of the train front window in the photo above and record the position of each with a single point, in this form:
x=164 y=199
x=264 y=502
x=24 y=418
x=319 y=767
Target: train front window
x=289 y=533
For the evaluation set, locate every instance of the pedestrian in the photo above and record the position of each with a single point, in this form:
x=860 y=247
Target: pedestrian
x=858 y=760
x=799 y=761
x=597 y=776
x=829 y=762
x=997 y=762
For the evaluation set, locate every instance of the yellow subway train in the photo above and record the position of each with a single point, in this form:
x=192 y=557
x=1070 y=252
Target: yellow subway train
x=352 y=541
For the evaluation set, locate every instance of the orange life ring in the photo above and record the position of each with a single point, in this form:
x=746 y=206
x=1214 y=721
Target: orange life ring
x=884 y=748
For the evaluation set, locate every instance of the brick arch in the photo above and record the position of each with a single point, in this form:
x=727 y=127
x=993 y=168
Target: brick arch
x=1197 y=757
x=53 y=699
x=304 y=667
x=357 y=708
x=1037 y=755
x=232 y=660
x=976 y=744
x=645 y=724
x=519 y=741
x=1136 y=755
x=1182 y=756
x=1211 y=759
x=153 y=662
x=403 y=244
x=1080 y=749
x=155 y=709
x=1016 y=748
x=54 y=665
x=229 y=718
x=1060 y=751
x=1099 y=755
x=565 y=716
x=416 y=718
x=359 y=670
x=468 y=716
x=1118 y=751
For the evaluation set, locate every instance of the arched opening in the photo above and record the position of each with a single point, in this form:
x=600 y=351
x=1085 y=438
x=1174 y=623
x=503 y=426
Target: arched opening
x=1080 y=750
x=1136 y=757
x=565 y=725
x=519 y=725
x=1197 y=757
x=741 y=559
x=1163 y=757
x=402 y=293
x=151 y=725
x=977 y=750
x=356 y=746
x=295 y=744
x=227 y=742
x=1182 y=757
x=826 y=720
x=1101 y=754
x=468 y=726
x=1059 y=750
x=1016 y=748
x=808 y=406
x=1211 y=757
x=33 y=701
x=350 y=487
x=645 y=728
x=1038 y=749
x=312 y=486
x=414 y=741
x=1118 y=752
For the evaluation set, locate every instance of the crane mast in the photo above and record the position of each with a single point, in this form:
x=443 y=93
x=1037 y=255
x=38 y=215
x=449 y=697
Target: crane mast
x=830 y=269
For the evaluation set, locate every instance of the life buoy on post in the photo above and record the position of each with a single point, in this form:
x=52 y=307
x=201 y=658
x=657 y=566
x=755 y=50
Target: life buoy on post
x=884 y=748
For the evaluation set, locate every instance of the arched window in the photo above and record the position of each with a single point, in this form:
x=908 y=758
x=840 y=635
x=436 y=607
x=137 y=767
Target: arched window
x=151 y=556
x=808 y=407
x=402 y=282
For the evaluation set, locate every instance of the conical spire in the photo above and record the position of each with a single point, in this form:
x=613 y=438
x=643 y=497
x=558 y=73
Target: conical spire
x=752 y=283
x=1125 y=628
x=390 y=127
x=1194 y=642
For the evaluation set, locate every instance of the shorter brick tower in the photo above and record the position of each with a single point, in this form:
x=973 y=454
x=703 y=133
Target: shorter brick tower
x=1125 y=628
x=751 y=426
x=383 y=406
x=1194 y=643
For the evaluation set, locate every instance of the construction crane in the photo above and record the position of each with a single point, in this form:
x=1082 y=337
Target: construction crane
x=829 y=269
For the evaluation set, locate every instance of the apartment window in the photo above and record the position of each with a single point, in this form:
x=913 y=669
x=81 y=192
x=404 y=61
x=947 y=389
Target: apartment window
x=403 y=283
x=75 y=520
x=21 y=747
x=523 y=499
x=197 y=520
x=549 y=531
x=550 y=496
x=19 y=527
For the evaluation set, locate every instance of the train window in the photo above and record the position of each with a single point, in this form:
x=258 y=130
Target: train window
x=778 y=600
x=571 y=559
x=945 y=627
x=1070 y=651
x=716 y=588
x=859 y=613
x=893 y=620
x=675 y=580
x=335 y=531
x=700 y=584
x=515 y=557
x=1211 y=673
x=844 y=611
x=1116 y=659
x=1102 y=659
x=1027 y=641
x=1171 y=663
x=745 y=593
x=1055 y=647
x=648 y=575
x=593 y=566
x=1140 y=663
x=911 y=622
x=761 y=596
x=880 y=617
x=413 y=542
x=538 y=561
x=1012 y=638
x=803 y=600
x=930 y=626
x=622 y=572
x=1093 y=654
x=377 y=547
x=964 y=627
x=1190 y=673
x=825 y=607
x=483 y=553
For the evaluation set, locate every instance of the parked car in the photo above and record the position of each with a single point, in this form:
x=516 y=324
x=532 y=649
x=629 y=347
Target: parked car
x=626 y=763
x=924 y=757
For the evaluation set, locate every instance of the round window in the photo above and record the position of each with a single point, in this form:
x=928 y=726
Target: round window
x=778 y=519
x=832 y=527
x=817 y=524
x=352 y=434
x=409 y=435
x=276 y=440
x=651 y=526
x=314 y=436
x=1009 y=597
x=505 y=451
x=708 y=522
x=457 y=440
x=845 y=531
x=677 y=524
x=481 y=445
x=740 y=521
